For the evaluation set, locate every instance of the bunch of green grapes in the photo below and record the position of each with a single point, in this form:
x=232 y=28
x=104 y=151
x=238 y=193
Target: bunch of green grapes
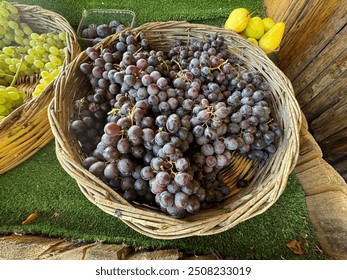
x=10 y=98
x=26 y=53
x=44 y=52
x=12 y=31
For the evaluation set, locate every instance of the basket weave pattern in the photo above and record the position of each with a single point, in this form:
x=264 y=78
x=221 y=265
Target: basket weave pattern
x=267 y=183
x=27 y=129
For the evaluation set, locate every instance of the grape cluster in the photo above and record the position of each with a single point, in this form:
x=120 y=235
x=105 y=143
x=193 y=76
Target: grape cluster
x=12 y=31
x=10 y=98
x=26 y=53
x=97 y=32
x=158 y=127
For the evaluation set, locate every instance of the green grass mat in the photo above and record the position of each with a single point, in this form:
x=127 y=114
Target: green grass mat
x=40 y=184
x=209 y=12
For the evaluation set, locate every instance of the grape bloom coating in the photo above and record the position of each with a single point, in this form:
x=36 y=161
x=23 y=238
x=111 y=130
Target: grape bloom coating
x=158 y=127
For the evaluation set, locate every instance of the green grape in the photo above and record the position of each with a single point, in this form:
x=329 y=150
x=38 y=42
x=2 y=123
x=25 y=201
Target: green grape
x=55 y=60
x=62 y=36
x=6 y=41
x=29 y=58
x=12 y=9
x=15 y=60
x=8 y=79
x=19 y=32
x=8 y=50
x=38 y=64
x=26 y=42
x=34 y=36
x=12 y=68
x=40 y=49
x=13 y=24
x=3 y=110
x=4 y=13
x=33 y=52
x=46 y=46
x=2 y=30
x=51 y=41
x=3 y=56
x=26 y=28
x=13 y=95
x=54 y=50
x=9 y=36
x=18 y=40
x=38 y=90
x=3 y=22
x=21 y=66
x=8 y=60
x=49 y=66
x=32 y=43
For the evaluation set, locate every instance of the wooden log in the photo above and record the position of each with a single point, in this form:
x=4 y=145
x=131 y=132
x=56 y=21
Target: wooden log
x=334 y=69
x=335 y=146
x=341 y=167
x=280 y=11
x=27 y=247
x=331 y=95
x=309 y=149
x=328 y=213
x=102 y=251
x=321 y=177
x=171 y=254
x=315 y=27
x=330 y=122
x=319 y=65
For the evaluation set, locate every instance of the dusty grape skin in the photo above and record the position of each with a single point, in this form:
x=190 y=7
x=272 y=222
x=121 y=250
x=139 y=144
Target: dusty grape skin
x=174 y=118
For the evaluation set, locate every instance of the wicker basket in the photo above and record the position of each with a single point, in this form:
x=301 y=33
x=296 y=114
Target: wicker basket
x=26 y=129
x=267 y=182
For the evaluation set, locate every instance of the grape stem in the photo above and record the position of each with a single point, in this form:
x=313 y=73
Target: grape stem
x=131 y=114
x=219 y=66
x=113 y=111
x=15 y=77
x=170 y=169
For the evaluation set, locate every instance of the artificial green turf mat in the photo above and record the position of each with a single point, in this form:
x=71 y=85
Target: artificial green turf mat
x=40 y=184
x=207 y=11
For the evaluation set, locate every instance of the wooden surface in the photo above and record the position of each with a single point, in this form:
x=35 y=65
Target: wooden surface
x=326 y=196
x=313 y=55
x=27 y=247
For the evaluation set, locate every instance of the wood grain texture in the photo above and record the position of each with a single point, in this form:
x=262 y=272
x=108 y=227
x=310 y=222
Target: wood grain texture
x=327 y=98
x=320 y=64
x=313 y=55
x=315 y=26
x=341 y=167
x=331 y=121
x=335 y=146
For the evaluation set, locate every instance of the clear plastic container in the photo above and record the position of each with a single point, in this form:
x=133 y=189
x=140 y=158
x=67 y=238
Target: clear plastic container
x=103 y=16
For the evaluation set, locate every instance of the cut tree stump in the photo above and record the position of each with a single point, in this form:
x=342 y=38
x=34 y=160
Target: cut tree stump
x=326 y=196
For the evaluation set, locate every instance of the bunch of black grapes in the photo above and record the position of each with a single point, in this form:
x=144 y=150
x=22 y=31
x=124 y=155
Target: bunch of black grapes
x=97 y=32
x=158 y=127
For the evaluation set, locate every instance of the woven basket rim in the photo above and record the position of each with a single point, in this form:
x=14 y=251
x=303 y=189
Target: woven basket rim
x=158 y=225
x=31 y=117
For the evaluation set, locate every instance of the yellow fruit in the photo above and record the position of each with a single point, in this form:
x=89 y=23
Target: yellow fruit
x=253 y=40
x=272 y=39
x=237 y=20
x=254 y=28
x=268 y=23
